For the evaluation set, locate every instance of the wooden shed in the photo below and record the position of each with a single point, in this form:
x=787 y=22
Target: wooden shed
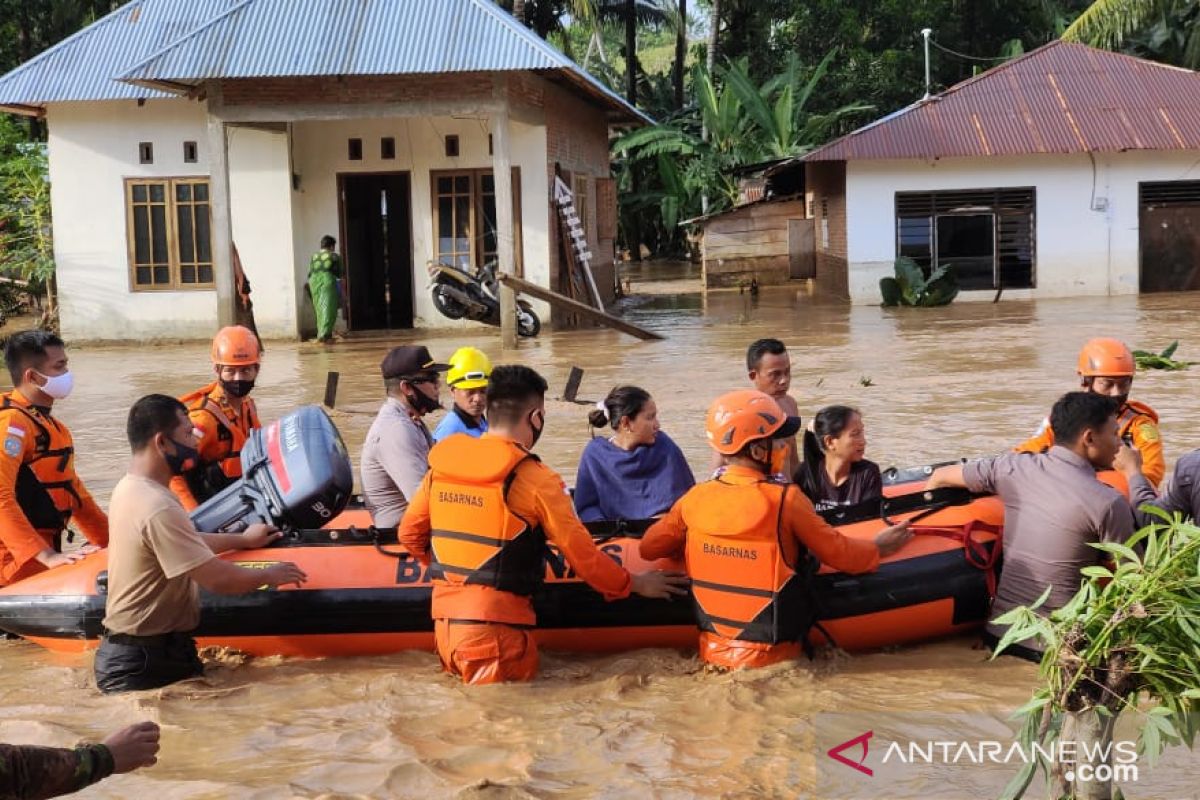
x=767 y=237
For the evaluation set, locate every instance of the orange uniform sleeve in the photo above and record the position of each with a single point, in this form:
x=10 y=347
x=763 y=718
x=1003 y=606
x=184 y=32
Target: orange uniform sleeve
x=89 y=518
x=414 y=527
x=1040 y=442
x=824 y=541
x=1148 y=442
x=208 y=447
x=541 y=494
x=17 y=535
x=667 y=537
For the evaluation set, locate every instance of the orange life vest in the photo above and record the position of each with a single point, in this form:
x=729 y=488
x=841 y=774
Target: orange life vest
x=1130 y=413
x=213 y=474
x=475 y=538
x=46 y=481
x=743 y=585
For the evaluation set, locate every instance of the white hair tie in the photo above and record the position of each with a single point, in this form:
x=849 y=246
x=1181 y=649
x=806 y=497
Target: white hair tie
x=601 y=407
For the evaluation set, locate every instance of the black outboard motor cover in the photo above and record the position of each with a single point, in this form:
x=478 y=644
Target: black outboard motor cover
x=295 y=474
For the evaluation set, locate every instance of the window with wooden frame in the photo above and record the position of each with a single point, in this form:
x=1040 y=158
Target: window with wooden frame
x=464 y=217
x=169 y=233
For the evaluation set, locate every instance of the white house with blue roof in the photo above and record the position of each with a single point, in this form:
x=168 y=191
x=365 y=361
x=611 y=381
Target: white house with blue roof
x=187 y=134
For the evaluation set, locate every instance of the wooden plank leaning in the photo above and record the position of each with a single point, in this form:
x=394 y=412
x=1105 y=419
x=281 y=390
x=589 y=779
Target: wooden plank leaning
x=582 y=309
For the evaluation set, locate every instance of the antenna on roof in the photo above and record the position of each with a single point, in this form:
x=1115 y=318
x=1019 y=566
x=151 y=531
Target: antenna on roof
x=926 y=33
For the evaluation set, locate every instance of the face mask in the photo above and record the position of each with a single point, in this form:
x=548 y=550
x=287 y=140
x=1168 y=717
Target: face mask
x=237 y=388
x=537 y=431
x=58 y=386
x=184 y=458
x=422 y=403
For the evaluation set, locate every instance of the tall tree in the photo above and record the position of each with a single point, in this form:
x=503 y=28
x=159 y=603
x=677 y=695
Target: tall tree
x=680 y=53
x=630 y=52
x=1161 y=30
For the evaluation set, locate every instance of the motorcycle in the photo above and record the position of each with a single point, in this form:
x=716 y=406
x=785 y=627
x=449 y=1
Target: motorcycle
x=459 y=294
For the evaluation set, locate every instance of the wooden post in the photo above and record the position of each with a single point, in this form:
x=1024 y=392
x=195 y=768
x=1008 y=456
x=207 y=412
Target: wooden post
x=571 y=392
x=502 y=175
x=331 y=384
x=222 y=219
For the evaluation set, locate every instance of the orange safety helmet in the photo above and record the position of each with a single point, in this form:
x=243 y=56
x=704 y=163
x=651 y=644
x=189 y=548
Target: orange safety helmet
x=738 y=418
x=1108 y=358
x=235 y=346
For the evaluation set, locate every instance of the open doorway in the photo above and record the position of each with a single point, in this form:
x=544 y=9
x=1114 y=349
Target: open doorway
x=376 y=224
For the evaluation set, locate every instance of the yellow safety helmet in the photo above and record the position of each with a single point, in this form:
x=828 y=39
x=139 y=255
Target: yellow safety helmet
x=469 y=369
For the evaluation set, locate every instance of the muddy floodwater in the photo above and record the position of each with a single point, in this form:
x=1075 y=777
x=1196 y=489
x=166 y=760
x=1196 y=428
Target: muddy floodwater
x=967 y=380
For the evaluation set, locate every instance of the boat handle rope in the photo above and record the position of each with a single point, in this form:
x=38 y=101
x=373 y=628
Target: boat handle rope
x=376 y=539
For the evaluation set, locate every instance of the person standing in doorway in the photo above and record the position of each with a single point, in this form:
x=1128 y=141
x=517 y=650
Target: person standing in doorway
x=324 y=271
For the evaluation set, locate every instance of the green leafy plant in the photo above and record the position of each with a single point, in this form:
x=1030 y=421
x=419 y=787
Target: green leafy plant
x=1127 y=643
x=912 y=287
x=1146 y=359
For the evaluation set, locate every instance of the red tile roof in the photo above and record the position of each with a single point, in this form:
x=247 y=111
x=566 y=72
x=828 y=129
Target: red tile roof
x=1061 y=98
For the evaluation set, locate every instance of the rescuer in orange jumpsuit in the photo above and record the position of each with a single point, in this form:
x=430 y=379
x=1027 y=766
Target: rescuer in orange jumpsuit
x=752 y=544
x=1106 y=367
x=224 y=414
x=481 y=520
x=39 y=490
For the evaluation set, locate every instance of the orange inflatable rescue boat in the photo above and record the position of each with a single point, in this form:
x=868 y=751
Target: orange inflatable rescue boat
x=365 y=595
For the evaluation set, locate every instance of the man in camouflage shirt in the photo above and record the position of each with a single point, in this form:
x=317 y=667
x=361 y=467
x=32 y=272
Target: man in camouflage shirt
x=33 y=773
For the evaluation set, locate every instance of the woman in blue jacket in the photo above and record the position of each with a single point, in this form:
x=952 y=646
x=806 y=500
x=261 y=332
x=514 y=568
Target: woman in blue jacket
x=637 y=472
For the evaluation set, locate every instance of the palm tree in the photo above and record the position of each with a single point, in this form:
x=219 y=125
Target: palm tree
x=1107 y=22
x=1162 y=30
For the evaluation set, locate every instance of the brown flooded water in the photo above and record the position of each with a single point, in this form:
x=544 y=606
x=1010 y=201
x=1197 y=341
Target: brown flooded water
x=970 y=379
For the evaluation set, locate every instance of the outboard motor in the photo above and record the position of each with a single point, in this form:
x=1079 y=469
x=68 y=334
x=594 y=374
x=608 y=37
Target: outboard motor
x=295 y=474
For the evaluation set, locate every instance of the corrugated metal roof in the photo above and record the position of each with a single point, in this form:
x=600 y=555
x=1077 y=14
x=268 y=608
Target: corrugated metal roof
x=297 y=38
x=1061 y=98
x=188 y=41
x=85 y=66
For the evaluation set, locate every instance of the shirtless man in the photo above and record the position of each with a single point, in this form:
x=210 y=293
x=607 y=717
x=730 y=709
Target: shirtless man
x=770 y=371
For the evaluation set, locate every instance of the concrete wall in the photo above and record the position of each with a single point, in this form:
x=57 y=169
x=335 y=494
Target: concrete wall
x=260 y=202
x=749 y=242
x=93 y=147
x=1079 y=250
x=320 y=153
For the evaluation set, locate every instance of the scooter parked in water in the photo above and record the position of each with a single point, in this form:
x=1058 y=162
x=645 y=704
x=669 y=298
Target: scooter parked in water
x=459 y=294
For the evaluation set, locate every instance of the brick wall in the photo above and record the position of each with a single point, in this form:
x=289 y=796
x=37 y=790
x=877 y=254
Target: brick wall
x=826 y=195
x=357 y=89
x=577 y=141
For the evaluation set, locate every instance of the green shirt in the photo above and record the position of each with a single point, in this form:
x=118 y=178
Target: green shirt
x=325 y=261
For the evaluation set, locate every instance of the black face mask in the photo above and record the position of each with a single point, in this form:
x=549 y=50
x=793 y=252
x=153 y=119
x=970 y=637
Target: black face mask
x=183 y=459
x=237 y=388
x=422 y=403
x=537 y=432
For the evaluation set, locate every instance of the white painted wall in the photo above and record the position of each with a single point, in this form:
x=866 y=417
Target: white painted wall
x=320 y=153
x=93 y=148
x=1079 y=251
x=261 y=208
